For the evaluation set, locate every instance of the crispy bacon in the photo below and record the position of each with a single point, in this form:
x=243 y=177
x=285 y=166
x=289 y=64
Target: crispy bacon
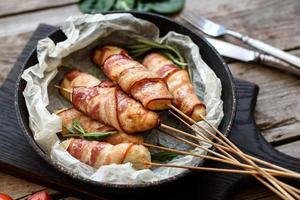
x=107 y=104
x=135 y=79
x=97 y=154
x=178 y=83
x=69 y=115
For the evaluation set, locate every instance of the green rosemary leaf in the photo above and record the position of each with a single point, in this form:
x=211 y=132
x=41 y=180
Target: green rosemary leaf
x=77 y=126
x=144 y=45
x=163 y=156
x=98 y=135
x=70 y=130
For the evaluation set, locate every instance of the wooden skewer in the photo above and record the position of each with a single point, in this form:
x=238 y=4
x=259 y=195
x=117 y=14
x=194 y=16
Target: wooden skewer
x=294 y=175
x=218 y=146
x=222 y=170
x=273 y=172
x=281 y=187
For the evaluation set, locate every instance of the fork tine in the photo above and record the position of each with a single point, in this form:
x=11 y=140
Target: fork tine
x=193 y=19
x=203 y=24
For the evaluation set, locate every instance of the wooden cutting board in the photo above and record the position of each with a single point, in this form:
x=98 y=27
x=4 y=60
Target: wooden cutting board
x=19 y=159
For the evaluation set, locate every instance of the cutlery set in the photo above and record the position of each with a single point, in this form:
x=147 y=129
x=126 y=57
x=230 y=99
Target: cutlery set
x=272 y=56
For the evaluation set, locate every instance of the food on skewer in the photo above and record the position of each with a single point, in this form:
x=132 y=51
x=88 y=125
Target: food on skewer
x=77 y=78
x=107 y=104
x=179 y=85
x=135 y=79
x=68 y=115
x=97 y=154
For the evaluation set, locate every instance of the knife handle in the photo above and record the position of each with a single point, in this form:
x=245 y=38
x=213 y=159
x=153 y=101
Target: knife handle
x=277 y=63
x=287 y=57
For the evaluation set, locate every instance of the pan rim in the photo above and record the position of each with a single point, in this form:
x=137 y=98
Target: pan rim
x=29 y=137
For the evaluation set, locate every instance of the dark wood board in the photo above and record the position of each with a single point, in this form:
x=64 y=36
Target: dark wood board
x=19 y=159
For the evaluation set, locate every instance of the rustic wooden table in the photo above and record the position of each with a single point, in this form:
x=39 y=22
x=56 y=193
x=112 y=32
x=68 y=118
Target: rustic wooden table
x=273 y=21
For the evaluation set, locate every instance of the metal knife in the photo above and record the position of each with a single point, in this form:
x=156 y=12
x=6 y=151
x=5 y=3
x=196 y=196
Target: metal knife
x=240 y=53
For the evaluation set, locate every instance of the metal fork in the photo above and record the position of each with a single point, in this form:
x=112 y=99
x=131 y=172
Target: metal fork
x=216 y=30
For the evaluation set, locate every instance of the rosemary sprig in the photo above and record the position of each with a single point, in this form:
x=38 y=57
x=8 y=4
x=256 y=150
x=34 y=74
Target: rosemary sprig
x=144 y=45
x=78 y=131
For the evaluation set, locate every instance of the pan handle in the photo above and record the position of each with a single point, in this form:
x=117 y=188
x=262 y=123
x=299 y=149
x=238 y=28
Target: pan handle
x=246 y=135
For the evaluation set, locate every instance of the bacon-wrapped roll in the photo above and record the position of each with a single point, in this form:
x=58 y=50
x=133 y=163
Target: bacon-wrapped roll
x=179 y=85
x=107 y=104
x=135 y=79
x=68 y=115
x=97 y=154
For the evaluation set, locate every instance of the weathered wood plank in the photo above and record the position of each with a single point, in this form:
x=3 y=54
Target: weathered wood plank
x=10 y=48
x=255 y=192
x=278 y=100
x=15 y=187
x=291 y=149
x=273 y=21
x=29 y=21
x=16 y=6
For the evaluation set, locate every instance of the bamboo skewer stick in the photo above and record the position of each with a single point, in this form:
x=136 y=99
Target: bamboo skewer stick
x=281 y=173
x=281 y=187
x=221 y=170
x=274 y=172
x=294 y=175
x=219 y=147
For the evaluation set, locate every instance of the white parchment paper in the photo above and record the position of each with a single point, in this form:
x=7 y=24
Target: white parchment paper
x=83 y=34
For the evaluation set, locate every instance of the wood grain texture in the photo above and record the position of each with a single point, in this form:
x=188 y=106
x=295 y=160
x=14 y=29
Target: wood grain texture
x=291 y=149
x=16 y=187
x=277 y=110
x=273 y=21
x=13 y=25
x=16 y=6
x=10 y=48
x=255 y=192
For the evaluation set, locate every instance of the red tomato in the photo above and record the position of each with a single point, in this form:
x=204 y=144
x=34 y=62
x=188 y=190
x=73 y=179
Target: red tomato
x=5 y=197
x=43 y=195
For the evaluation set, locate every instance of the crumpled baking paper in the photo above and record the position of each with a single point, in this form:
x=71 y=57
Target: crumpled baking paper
x=83 y=34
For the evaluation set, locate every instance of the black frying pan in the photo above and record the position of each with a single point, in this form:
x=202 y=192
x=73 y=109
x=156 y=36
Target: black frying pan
x=209 y=55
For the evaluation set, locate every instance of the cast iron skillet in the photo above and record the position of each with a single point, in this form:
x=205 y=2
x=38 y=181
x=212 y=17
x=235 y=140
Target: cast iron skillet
x=209 y=55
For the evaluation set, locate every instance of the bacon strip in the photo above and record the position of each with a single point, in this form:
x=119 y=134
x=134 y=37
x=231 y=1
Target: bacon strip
x=179 y=85
x=107 y=104
x=97 y=154
x=69 y=115
x=135 y=79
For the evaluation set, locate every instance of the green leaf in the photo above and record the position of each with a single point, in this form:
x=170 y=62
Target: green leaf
x=143 y=6
x=98 y=135
x=144 y=45
x=86 y=6
x=102 y=5
x=70 y=130
x=124 y=5
x=163 y=156
x=77 y=126
x=167 y=6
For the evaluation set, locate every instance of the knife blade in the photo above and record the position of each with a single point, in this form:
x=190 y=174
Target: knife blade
x=246 y=55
